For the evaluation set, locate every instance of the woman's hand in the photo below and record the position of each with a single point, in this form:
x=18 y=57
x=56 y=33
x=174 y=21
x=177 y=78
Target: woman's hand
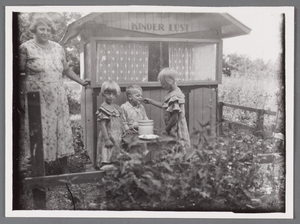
x=108 y=143
x=86 y=82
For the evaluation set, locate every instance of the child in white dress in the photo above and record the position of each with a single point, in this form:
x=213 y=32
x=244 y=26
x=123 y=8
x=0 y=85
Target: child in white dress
x=173 y=106
x=111 y=125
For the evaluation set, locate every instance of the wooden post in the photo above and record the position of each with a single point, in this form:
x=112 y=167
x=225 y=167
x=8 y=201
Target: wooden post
x=187 y=105
x=260 y=122
x=36 y=146
x=220 y=118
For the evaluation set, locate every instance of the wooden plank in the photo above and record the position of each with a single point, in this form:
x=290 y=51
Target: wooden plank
x=146 y=94
x=93 y=60
x=89 y=123
x=191 y=111
x=260 y=122
x=187 y=106
x=198 y=108
x=124 y=21
x=140 y=18
x=83 y=74
x=158 y=20
x=131 y=19
x=149 y=18
x=242 y=126
x=156 y=85
x=156 y=113
x=36 y=134
x=123 y=36
x=83 y=111
x=249 y=109
x=162 y=98
x=219 y=61
x=36 y=146
x=207 y=102
x=88 y=61
x=220 y=118
x=56 y=180
x=107 y=18
x=214 y=97
x=115 y=20
x=195 y=25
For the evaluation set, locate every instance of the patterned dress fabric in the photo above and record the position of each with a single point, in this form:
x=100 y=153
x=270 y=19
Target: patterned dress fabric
x=43 y=68
x=174 y=101
x=114 y=127
x=131 y=115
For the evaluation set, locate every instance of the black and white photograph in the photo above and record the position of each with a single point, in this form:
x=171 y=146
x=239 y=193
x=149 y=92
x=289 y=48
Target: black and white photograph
x=149 y=111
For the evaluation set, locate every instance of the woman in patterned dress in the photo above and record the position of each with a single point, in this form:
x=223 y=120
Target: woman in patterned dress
x=111 y=125
x=173 y=106
x=43 y=62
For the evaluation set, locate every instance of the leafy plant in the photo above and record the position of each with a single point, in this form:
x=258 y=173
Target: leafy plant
x=215 y=174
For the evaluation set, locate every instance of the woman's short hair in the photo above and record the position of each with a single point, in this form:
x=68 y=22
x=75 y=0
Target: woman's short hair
x=110 y=86
x=167 y=75
x=131 y=88
x=42 y=20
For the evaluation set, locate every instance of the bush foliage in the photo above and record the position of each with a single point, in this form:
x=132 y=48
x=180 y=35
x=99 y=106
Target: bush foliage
x=216 y=174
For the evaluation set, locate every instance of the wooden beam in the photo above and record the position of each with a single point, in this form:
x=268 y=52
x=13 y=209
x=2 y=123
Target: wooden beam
x=241 y=126
x=220 y=118
x=249 y=109
x=56 y=180
x=36 y=146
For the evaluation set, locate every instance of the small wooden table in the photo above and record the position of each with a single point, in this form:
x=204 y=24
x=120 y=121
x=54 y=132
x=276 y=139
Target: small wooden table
x=133 y=144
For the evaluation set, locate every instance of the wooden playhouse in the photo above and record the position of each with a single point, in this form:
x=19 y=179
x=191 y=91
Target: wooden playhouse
x=131 y=48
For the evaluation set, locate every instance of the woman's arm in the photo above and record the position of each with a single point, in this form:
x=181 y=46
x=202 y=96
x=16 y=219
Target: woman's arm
x=69 y=72
x=107 y=141
x=153 y=102
x=173 y=120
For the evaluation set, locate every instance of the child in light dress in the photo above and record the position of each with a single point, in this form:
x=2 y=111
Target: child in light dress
x=111 y=125
x=173 y=106
x=133 y=110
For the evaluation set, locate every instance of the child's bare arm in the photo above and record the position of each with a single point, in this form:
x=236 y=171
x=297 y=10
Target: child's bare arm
x=153 y=102
x=173 y=120
x=108 y=142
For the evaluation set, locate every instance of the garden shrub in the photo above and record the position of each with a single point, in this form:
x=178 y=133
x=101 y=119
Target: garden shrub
x=73 y=100
x=216 y=174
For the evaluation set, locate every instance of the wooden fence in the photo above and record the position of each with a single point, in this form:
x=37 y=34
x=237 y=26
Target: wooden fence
x=258 y=129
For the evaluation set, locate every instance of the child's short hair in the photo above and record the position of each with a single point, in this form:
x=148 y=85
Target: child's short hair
x=167 y=75
x=110 y=86
x=132 y=87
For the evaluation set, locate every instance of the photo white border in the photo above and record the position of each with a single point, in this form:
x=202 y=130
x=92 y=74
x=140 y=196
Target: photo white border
x=289 y=50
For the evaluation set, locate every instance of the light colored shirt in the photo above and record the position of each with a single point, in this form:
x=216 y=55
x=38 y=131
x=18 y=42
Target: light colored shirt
x=132 y=115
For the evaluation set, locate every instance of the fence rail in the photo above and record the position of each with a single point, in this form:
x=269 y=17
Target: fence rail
x=258 y=129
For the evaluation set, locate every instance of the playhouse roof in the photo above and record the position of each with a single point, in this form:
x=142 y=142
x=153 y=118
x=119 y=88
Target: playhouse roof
x=228 y=25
